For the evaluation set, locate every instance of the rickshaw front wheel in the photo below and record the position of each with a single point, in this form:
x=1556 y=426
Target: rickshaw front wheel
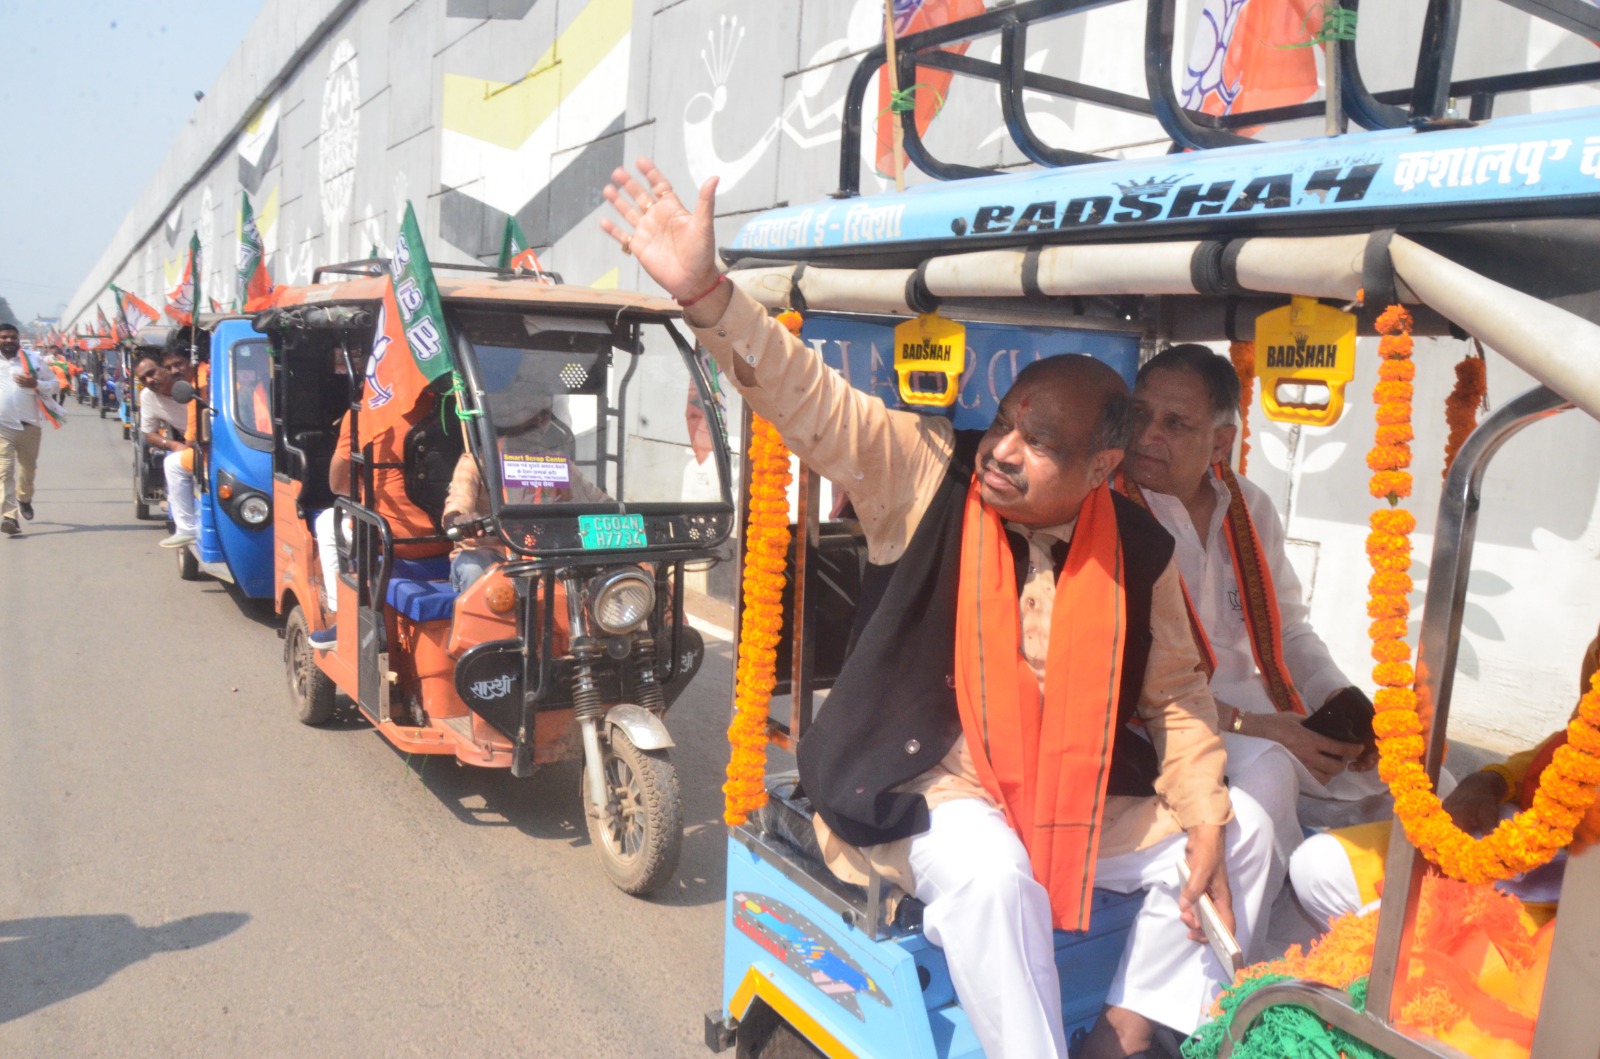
x=639 y=833
x=310 y=689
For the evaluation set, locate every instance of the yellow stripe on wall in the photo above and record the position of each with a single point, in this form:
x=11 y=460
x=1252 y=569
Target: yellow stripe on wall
x=608 y=281
x=507 y=115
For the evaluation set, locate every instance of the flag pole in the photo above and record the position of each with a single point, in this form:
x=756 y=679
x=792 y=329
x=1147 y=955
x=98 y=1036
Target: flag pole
x=892 y=72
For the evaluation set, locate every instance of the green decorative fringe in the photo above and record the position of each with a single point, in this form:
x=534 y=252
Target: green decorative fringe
x=1282 y=1032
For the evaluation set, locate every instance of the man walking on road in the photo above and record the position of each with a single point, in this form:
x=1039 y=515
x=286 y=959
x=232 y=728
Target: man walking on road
x=22 y=385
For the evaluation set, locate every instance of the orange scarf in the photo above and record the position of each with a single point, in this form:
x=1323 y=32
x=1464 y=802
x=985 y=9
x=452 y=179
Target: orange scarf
x=1045 y=763
x=1260 y=599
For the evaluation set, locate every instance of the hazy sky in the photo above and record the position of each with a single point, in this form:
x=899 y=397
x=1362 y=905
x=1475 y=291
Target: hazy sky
x=93 y=95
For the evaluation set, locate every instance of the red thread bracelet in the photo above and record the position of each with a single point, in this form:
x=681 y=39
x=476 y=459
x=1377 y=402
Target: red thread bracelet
x=721 y=279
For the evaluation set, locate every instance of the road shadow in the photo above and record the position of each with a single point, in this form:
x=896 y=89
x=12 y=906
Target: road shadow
x=53 y=958
x=59 y=529
x=547 y=806
x=261 y=611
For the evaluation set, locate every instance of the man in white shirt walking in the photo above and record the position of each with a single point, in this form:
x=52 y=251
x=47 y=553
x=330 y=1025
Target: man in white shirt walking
x=23 y=381
x=1298 y=734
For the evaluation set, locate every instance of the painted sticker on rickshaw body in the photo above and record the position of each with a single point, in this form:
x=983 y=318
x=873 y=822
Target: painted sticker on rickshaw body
x=806 y=949
x=612 y=531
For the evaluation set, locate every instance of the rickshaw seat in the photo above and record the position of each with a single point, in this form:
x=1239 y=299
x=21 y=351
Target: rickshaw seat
x=420 y=589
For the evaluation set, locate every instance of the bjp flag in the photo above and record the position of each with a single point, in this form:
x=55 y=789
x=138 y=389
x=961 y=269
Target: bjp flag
x=914 y=16
x=1251 y=55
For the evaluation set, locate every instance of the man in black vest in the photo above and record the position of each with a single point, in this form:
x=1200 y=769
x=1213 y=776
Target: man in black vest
x=946 y=758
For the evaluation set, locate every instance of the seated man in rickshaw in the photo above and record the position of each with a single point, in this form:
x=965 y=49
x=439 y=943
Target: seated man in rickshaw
x=975 y=748
x=389 y=499
x=165 y=425
x=1299 y=735
x=526 y=426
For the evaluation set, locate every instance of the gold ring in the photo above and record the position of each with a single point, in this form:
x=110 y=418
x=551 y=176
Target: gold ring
x=627 y=244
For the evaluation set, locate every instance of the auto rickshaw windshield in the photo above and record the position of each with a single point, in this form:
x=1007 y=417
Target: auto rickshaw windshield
x=583 y=411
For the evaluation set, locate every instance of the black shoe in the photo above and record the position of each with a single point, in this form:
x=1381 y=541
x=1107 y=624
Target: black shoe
x=27 y=509
x=9 y=527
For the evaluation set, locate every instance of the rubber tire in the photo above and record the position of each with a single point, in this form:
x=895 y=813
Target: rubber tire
x=188 y=565
x=311 y=691
x=141 y=511
x=654 y=787
x=103 y=411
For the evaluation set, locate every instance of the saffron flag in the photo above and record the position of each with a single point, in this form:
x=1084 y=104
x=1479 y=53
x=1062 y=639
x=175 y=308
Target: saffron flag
x=514 y=252
x=255 y=284
x=134 y=311
x=914 y=16
x=105 y=325
x=183 y=299
x=1244 y=57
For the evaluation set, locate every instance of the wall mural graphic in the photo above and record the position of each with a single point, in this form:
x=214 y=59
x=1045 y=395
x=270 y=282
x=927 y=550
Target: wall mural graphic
x=336 y=148
x=540 y=148
x=797 y=121
x=258 y=146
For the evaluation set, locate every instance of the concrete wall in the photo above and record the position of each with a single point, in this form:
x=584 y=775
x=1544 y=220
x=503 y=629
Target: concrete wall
x=334 y=113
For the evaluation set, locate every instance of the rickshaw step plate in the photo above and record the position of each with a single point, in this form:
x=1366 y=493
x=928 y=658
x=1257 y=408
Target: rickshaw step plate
x=461 y=726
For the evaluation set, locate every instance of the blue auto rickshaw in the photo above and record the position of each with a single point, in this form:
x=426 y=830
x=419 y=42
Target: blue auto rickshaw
x=233 y=459
x=1113 y=257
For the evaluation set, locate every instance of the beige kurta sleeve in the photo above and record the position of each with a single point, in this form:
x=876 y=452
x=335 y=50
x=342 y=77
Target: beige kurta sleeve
x=889 y=461
x=1180 y=715
x=467 y=498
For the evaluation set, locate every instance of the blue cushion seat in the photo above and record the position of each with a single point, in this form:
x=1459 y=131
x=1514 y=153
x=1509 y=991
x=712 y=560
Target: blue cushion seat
x=420 y=589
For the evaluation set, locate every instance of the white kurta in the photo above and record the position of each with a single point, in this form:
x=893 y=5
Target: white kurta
x=1350 y=797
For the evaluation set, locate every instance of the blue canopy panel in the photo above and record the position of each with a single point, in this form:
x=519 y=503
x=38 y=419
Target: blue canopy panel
x=1538 y=165
x=861 y=348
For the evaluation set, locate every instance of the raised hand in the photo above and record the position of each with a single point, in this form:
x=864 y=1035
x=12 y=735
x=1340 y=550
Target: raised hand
x=675 y=247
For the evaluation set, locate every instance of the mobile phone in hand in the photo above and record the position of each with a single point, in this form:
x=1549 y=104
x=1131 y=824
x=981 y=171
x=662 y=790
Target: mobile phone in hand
x=1223 y=944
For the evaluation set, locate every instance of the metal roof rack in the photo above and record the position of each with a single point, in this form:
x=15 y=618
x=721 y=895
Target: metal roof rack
x=1425 y=103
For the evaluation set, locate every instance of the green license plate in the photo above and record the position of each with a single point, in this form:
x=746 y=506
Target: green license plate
x=612 y=531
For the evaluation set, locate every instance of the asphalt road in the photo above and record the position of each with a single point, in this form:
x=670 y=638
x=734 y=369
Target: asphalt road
x=185 y=870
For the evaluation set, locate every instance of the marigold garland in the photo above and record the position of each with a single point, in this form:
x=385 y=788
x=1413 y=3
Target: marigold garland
x=1243 y=355
x=1568 y=786
x=761 y=622
x=1461 y=407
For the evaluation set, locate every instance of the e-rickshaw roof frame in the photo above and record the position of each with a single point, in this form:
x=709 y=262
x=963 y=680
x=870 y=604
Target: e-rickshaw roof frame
x=1425 y=103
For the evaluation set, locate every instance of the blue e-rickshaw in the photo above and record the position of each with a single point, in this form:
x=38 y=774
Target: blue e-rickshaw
x=1470 y=222
x=233 y=459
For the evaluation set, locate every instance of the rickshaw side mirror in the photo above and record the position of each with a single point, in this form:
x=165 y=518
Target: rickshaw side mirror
x=183 y=393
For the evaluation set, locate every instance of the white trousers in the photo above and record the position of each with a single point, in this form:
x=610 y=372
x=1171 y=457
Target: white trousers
x=1323 y=880
x=180 y=494
x=992 y=918
x=328 y=556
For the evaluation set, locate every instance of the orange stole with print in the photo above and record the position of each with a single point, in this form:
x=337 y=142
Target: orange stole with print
x=1258 y=596
x=1045 y=762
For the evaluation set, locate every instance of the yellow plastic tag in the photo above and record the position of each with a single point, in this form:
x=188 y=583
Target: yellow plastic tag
x=1309 y=344
x=926 y=350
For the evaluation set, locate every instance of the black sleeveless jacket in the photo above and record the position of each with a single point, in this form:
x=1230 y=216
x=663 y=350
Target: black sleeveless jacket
x=892 y=713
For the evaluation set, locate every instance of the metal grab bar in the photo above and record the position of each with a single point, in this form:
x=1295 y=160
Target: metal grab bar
x=1455 y=531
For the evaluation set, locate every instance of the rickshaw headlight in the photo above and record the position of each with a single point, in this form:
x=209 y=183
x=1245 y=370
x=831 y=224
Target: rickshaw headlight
x=254 y=509
x=621 y=600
